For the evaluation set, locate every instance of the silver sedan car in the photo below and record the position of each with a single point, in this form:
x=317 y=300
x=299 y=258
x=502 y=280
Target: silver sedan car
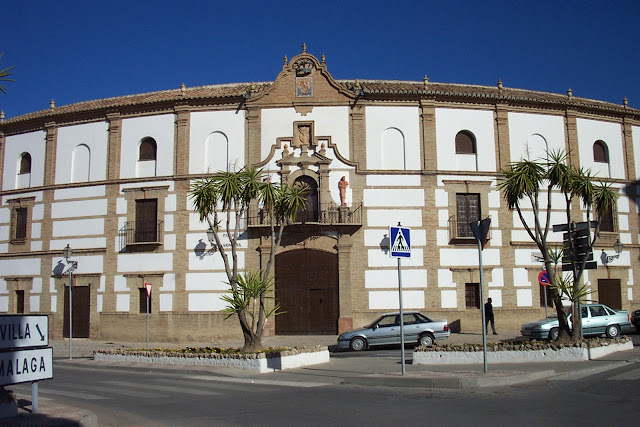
x=418 y=328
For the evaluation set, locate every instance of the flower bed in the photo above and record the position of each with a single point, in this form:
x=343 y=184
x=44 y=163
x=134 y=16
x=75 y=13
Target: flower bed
x=518 y=352
x=269 y=360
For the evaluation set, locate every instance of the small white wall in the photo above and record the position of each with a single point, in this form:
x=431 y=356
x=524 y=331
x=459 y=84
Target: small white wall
x=145 y=262
x=79 y=208
x=78 y=227
x=407 y=121
x=95 y=136
x=229 y=124
x=20 y=267
x=589 y=131
x=33 y=143
x=394 y=198
x=328 y=121
x=528 y=131
x=480 y=123
x=161 y=129
x=635 y=138
x=390 y=300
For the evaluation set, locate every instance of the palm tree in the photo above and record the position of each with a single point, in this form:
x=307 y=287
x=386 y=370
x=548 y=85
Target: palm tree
x=4 y=74
x=528 y=180
x=227 y=196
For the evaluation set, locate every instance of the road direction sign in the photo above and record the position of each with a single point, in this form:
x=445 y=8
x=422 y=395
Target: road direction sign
x=400 y=240
x=543 y=278
x=21 y=366
x=18 y=331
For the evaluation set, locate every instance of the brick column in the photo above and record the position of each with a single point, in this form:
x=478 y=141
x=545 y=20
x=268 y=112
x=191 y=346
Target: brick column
x=357 y=135
x=503 y=147
x=113 y=146
x=345 y=321
x=253 y=137
x=181 y=152
x=428 y=134
x=571 y=137
x=50 y=155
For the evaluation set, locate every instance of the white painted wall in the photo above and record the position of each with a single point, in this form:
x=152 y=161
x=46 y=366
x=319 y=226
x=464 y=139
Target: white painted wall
x=212 y=128
x=207 y=282
x=20 y=267
x=394 y=198
x=145 y=262
x=388 y=217
x=206 y=301
x=379 y=120
x=389 y=300
x=532 y=133
x=95 y=137
x=328 y=121
x=589 y=131
x=73 y=193
x=393 y=180
x=635 y=138
x=468 y=257
x=411 y=278
x=81 y=208
x=78 y=227
x=480 y=123
x=33 y=143
x=160 y=128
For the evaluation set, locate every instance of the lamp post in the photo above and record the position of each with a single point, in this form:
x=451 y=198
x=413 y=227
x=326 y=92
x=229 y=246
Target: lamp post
x=67 y=252
x=606 y=259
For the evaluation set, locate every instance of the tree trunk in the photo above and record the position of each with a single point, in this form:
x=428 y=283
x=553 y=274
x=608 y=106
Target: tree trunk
x=252 y=343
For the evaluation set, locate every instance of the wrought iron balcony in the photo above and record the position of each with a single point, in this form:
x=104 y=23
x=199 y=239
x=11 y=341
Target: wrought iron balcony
x=460 y=232
x=328 y=214
x=148 y=234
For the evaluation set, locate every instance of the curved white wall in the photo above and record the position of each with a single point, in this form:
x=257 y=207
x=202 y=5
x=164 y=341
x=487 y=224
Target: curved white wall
x=95 y=136
x=161 y=129
x=528 y=132
x=480 y=123
x=33 y=143
x=387 y=127
x=590 y=131
x=215 y=127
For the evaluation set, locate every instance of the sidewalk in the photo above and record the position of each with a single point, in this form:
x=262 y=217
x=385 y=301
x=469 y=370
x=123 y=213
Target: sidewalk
x=369 y=368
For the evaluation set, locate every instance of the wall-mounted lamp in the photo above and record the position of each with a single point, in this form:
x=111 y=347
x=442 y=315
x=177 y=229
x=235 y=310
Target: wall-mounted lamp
x=606 y=259
x=211 y=238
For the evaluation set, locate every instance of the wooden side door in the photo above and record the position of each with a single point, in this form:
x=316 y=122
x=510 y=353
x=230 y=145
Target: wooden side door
x=81 y=296
x=610 y=293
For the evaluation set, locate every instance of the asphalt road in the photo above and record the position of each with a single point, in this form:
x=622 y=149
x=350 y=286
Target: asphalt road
x=157 y=396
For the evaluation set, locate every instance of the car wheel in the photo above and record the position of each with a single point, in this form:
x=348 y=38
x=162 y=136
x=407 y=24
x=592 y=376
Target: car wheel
x=612 y=331
x=358 y=344
x=553 y=334
x=426 y=340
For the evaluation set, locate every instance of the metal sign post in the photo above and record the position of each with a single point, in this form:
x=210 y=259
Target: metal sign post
x=543 y=279
x=480 y=232
x=400 y=245
x=148 y=288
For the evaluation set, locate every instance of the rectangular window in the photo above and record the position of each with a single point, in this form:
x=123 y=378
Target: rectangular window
x=607 y=222
x=467 y=210
x=146 y=221
x=546 y=289
x=20 y=302
x=472 y=295
x=143 y=301
x=19 y=223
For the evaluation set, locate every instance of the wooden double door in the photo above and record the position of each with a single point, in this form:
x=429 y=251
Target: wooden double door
x=307 y=290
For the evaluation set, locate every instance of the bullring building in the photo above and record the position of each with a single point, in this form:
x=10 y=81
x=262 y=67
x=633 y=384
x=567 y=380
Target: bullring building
x=111 y=177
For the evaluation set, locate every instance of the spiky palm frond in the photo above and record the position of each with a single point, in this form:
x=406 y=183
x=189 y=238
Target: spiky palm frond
x=4 y=76
x=522 y=179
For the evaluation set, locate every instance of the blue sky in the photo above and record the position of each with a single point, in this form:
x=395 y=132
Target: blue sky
x=74 y=51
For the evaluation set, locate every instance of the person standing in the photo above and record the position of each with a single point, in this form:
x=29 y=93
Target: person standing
x=488 y=316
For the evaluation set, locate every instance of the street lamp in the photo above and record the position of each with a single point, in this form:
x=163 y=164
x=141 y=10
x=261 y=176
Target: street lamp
x=211 y=237
x=606 y=259
x=67 y=252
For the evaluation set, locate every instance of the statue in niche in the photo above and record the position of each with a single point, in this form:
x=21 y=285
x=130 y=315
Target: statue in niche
x=303 y=136
x=342 y=186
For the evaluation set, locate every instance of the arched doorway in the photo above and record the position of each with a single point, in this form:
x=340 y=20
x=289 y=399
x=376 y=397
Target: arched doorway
x=307 y=290
x=310 y=212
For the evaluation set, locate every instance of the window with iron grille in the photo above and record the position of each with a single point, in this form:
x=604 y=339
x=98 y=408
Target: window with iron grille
x=546 y=289
x=472 y=295
x=146 y=221
x=467 y=210
x=20 y=301
x=143 y=300
x=19 y=223
x=607 y=220
x=465 y=143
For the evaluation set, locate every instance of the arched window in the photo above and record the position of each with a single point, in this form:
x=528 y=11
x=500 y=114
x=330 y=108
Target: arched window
x=600 y=152
x=216 y=152
x=148 y=149
x=80 y=161
x=310 y=212
x=25 y=163
x=465 y=143
x=393 y=150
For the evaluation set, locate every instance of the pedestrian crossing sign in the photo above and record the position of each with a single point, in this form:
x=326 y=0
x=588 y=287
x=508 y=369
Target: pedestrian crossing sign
x=400 y=242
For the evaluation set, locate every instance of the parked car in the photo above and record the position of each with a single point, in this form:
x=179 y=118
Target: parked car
x=384 y=330
x=635 y=319
x=597 y=319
